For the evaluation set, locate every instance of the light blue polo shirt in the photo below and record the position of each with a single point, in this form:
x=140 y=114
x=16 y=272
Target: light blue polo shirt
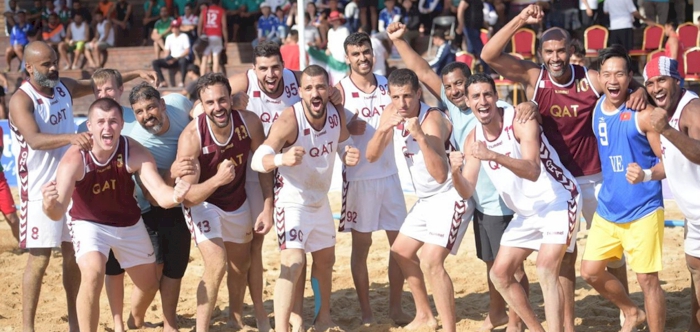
x=486 y=197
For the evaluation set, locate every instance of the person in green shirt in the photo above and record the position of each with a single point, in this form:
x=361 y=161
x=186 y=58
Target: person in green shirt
x=161 y=29
x=34 y=13
x=151 y=10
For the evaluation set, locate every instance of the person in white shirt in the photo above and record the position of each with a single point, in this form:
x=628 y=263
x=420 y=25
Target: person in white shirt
x=178 y=44
x=76 y=37
x=104 y=39
x=336 y=37
x=622 y=14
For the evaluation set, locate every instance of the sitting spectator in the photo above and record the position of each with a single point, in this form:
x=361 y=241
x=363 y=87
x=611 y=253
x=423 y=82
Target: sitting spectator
x=352 y=15
x=444 y=54
x=389 y=14
x=188 y=22
x=429 y=9
x=106 y=7
x=77 y=36
x=249 y=14
x=312 y=37
x=49 y=8
x=104 y=39
x=34 y=14
x=11 y=16
x=233 y=14
x=64 y=12
x=267 y=26
x=214 y=28
x=290 y=51
x=84 y=12
x=178 y=45
x=122 y=20
x=578 y=57
x=411 y=19
x=281 y=27
x=54 y=34
x=161 y=29
x=151 y=14
x=336 y=37
x=18 y=39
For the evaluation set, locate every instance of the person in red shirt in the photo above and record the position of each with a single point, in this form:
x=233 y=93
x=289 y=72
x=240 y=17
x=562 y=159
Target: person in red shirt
x=674 y=49
x=7 y=203
x=290 y=51
x=212 y=23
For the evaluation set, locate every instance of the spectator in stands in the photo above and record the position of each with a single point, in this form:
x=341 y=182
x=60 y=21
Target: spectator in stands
x=65 y=13
x=679 y=7
x=18 y=39
x=622 y=14
x=370 y=5
x=352 y=15
x=34 y=14
x=178 y=46
x=429 y=9
x=578 y=57
x=267 y=26
x=106 y=7
x=84 y=12
x=122 y=19
x=49 y=8
x=674 y=49
x=565 y=14
x=281 y=27
x=189 y=22
x=411 y=19
x=180 y=7
x=336 y=37
x=250 y=12
x=290 y=51
x=470 y=16
x=161 y=29
x=151 y=14
x=312 y=37
x=233 y=14
x=11 y=15
x=212 y=24
x=389 y=14
x=104 y=39
x=589 y=12
x=54 y=34
x=444 y=54
x=655 y=10
x=77 y=36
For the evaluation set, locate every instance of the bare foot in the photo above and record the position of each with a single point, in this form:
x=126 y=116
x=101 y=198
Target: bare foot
x=422 y=323
x=638 y=317
x=515 y=327
x=491 y=323
x=297 y=323
x=132 y=324
x=400 y=317
x=324 y=325
x=263 y=324
x=237 y=326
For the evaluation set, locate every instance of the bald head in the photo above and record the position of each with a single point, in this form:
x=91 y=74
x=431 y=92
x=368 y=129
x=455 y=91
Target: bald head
x=555 y=34
x=42 y=64
x=37 y=52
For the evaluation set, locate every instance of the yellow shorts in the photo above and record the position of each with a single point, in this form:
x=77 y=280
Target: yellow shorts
x=79 y=46
x=641 y=239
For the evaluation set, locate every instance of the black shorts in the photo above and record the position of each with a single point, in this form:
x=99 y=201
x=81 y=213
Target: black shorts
x=488 y=231
x=368 y=3
x=171 y=242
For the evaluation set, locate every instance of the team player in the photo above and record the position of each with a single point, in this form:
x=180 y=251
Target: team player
x=212 y=24
x=265 y=90
x=566 y=95
x=531 y=179
x=491 y=215
x=676 y=119
x=436 y=224
x=309 y=134
x=41 y=119
x=94 y=180
x=629 y=217
x=372 y=195
x=218 y=216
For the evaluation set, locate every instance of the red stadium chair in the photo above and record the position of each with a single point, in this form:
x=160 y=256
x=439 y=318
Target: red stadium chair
x=508 y=83
x=484 y=36
x=691 y=58
x=657 y=53
x=688 y=33
x=595 y=38
x=653 y=37
x=467 y=58
x=523 y=42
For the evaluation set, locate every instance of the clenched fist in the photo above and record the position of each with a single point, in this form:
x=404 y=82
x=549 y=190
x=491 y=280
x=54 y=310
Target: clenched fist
x=635 y=173
x=180 y=190
x=293 y=156
x=456 y=161
x=50 y=194
x=533 y=14
x=396 y=30
x=659 y=119
x=239 y=101
x=352 y=155
x=226 y=172
x=481 y=152
x=413 y=127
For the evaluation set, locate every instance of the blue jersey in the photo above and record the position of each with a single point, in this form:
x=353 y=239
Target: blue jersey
x=18 y=35
x=621 y=142
x=268 y=24
x=387 y=16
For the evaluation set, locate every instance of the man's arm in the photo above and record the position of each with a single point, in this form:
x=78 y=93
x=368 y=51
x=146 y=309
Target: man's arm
x=57 y=193
x=82 y=88
x=384 y=133
x=431 y=136
x=239 y=83
x=464 y=175
x=687 y=140
x=22 y=116
x=141 y=160
x=413 y=60
x=224 y=31
x=635 y=173
x=263 y=222
x=512 y=68
x=282 y=132
x=348 y=153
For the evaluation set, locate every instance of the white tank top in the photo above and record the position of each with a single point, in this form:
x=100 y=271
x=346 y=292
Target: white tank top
x=369 y=107
x=269 y=109
x=423 y=183
x=53 y=115
x=307 y=184
x=78 y=33
x=683 y=175
x=526 y=197
x=101 y=32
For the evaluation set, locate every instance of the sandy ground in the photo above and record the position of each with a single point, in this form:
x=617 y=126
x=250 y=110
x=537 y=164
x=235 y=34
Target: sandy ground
x=468 y=273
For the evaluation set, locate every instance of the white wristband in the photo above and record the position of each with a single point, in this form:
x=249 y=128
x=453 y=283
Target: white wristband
x=278 y=160
x=647 y=175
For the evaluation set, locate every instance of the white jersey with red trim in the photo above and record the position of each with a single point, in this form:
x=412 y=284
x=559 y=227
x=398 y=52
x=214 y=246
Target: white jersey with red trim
x=267 y=108
x=53 y=115
x=369 y=108
x=683 y=175
x=423 y=183
x=308 y=183
x=525 y=197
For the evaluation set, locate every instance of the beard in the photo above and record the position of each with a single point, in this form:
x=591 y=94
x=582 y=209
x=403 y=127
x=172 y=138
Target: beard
x=313 y=114
x=45 y=80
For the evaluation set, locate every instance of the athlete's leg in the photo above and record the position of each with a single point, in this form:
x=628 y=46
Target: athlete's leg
x=654 y=300
x=503 y=276
x=92 y=272
x=71 y=283
x=396 y=280
x=567 y=279
x=292 y=263
x=145 y=278
x=255 y=282
x=432 y=259
x=31 y=284
x=361 y=243
x=114 y=287
x=322 y=271
x=549 y=260
x=404 y=252
x=13 y=221
x=238 y=255
x=214 y=256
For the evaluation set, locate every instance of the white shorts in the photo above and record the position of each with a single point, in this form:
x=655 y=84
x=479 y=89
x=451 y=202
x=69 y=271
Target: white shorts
x=589 y=186
x=215 y=45
x=692 y=238
x=131 y=245
x=303 y=227
x=556 y=223
x=256 y=202
x=207 y=221
x=372 y=205
x=37 y=230
x=441 y=220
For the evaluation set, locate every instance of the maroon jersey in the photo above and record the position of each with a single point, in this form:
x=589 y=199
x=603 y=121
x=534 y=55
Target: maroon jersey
x=231 y=196
x=567 y=114
x=105 y=194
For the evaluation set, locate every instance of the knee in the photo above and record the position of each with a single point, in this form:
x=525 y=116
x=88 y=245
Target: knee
x=589 y=274
x=547 y=270
x=499 y=277
x=648 y=281
x=693 y=266
x=39 y=258
x=291 y=269
x=431 y=265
